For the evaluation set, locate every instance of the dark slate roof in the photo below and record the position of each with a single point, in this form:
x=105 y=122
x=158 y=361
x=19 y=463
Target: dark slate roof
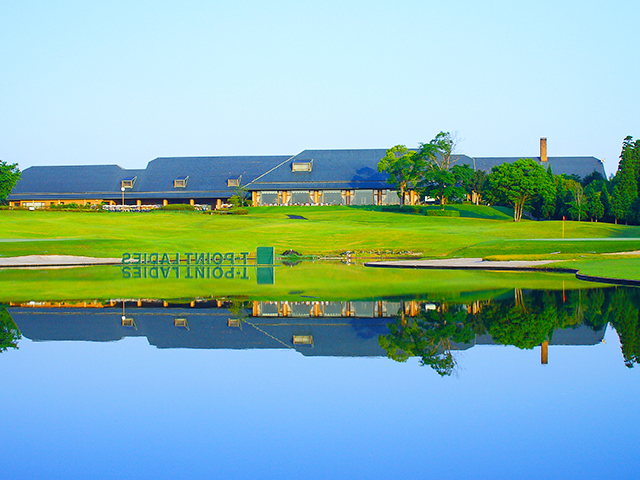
x=71 y=181
x=208 y=328
x=207 y=175
x=332 y=169
x=581 y=166
x=207 y=178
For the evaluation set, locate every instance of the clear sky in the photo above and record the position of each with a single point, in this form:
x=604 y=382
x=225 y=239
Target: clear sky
x=128 y=81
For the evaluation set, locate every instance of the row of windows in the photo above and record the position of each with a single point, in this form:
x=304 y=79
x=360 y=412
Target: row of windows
x=180 y=182
x=328 y=197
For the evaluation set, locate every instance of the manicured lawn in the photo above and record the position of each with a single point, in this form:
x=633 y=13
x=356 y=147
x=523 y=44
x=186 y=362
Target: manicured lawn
x=479 y=232
x=608 y=267
x=326 y=230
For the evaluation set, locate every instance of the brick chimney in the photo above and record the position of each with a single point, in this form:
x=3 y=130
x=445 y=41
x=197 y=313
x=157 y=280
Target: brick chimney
x=543 y=149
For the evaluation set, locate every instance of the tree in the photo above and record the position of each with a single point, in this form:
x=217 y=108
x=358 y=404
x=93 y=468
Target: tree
x=438 y=180
x=9 y=175
x=565 y=187
x=404 y=168
x=626 y=180
x=239 y=197
x=477 y=184
x=429 y=336
x=595 y=207
x=545 y=207
x=9 y=332
x=518 y=183
x=624 y=193
x=579 y=203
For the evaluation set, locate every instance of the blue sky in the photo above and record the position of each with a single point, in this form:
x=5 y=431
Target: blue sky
x=126 y=82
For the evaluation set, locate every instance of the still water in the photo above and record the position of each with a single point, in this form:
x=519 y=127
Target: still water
x=523 y=384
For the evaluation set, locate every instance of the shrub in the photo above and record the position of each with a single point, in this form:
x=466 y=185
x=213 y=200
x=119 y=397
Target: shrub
x=179 y=207
x=441 y=213
x=74 y=207
x=402 y=208
x=230 y=211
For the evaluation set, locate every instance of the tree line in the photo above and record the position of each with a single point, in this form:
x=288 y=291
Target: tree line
x=526 y=321
x=524 y=185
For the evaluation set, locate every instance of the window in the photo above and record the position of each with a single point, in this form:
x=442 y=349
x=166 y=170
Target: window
x=302 y=340
x=302 y=166
x=181 y=323
x=128 y=182
x=332 y=197
x=181 y=182
x=300 y=197
x=129 y=322
x=234 y=181
x=267 y=198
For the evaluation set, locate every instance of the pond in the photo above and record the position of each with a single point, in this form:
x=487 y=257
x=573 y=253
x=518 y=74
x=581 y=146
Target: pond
x=492 y=382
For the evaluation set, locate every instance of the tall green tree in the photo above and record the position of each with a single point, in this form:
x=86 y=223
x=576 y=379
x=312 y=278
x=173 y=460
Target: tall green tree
x=9 y=175
x=624 y=193
x=405 y=169
x=439 y=180
x=545 y=207
x=626 y=181
x=595 y=207
x=477 y=185
x=578 y=207
x=519 y=183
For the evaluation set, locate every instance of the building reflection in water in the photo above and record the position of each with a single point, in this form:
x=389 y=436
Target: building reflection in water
x=395 y=328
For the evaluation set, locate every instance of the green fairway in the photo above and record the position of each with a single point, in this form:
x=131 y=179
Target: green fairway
x=479 y=232
x=326 y=230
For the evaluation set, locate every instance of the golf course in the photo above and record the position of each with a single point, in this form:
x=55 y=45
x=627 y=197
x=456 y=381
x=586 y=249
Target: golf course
x=318 y=234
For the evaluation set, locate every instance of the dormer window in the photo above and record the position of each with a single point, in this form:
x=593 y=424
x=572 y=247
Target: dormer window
x=234 y=181
x=128 y=182
x=302 y=166
x=181 y=182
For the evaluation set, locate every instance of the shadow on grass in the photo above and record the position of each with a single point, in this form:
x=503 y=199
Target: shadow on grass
x=465 y=210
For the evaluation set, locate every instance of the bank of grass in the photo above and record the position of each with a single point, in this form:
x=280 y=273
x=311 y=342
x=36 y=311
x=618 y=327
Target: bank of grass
x=625 y=267
x=479 y=231
x=326 y=230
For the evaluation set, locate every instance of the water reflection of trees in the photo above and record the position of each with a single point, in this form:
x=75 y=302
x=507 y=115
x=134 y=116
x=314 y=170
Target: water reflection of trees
x=526 y=320
x=9 y=332
x=429 y=335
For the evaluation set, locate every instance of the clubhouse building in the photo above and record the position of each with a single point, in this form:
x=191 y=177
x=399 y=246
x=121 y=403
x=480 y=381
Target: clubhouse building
x=312 y=177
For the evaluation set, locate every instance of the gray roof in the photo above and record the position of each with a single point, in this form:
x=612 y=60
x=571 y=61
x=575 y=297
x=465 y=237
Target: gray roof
x=207 y=175
x=208 y=328
x=71 y=181
x=207 y=178
x=331 y=169
x=581 y=166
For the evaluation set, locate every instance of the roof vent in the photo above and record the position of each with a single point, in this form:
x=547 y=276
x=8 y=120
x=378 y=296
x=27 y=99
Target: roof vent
x=128 y=182
x=181 y=182
x=303 y=166
x=234 y=181
x=303 y=340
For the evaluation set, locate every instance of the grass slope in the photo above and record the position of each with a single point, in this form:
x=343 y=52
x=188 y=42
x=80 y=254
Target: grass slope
x=479 y=232
x=327 y=230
